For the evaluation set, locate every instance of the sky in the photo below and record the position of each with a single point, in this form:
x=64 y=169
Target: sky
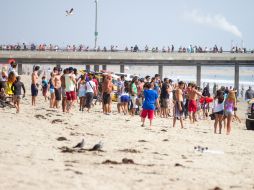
x=129 y=22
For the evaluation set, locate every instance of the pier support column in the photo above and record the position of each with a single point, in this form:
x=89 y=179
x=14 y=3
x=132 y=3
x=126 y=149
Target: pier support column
x=121 y=68
x=96 y=68
x=160 y=71
x=104 y=67
x=198 y=74
x=20 y=71
x=237 y=78
x=88 y=68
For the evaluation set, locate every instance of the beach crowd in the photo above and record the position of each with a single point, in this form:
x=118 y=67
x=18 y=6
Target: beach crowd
x=148 y=97
x=114 y=48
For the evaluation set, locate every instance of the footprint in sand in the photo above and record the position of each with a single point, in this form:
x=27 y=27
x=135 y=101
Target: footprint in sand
x=61 y=139
x=130 y=151
x=40 y=116
x=55 y=121
x=142 y=141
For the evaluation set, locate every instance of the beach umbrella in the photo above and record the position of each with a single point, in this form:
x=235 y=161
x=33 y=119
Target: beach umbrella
x=11 y=61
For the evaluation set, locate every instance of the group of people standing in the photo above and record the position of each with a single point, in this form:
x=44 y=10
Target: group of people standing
x=148 y=97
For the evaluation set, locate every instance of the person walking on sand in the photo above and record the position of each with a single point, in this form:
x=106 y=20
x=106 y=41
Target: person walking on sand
x=230 y=104
x=107 y=88
x=64 y=101
x=179 y=107
x=218 y=110
x=82 y=92
x=57 y=86
x=16 y=88
x=90 y=91
x=134 y=93
x=70 y=83
x=193 y=94
x=151 y=98
x=34 y=85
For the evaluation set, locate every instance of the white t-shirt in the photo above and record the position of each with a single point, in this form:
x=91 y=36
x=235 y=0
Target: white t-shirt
x=89 y=86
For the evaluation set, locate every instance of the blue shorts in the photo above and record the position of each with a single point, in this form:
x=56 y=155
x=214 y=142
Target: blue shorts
x=125 y=99
x=34 y=90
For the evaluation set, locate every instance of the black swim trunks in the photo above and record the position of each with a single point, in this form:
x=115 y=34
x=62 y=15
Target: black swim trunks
x=58 y=92
x=106 y=98
x=34 y=90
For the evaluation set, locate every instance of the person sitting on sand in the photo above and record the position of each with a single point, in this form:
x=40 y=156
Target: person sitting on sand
x=230 y=104
x=151 y=97
x=179 y=106
x=16 y=88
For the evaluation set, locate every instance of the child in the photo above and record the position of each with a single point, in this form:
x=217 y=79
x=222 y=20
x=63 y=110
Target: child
x=82 y=93
x=44 y=85
x=151 y=97
x=16 y=88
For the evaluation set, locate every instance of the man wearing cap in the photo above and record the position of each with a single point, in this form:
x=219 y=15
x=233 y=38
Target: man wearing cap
x=70 y=82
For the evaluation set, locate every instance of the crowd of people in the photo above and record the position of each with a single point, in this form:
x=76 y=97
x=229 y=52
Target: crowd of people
x=147 y=97
x=115 y=48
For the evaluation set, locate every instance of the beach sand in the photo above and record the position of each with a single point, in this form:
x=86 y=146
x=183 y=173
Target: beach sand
x=163 y=157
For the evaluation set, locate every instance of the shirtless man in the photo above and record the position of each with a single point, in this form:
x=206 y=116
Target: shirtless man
x=107 y=87
x=193 y=94
x=178 y=107
x=57 y=84
x=34 y=85
x=62 y=78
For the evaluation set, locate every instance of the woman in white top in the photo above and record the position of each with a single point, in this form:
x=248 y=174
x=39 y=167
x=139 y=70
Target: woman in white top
x=82 y=92
x=90 y=91
x=218 y=110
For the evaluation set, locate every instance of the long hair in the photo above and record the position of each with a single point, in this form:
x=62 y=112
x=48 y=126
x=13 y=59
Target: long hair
x=11 y=77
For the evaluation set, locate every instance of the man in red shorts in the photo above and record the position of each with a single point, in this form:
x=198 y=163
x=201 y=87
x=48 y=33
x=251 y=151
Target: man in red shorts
x=70 y=82
x=193 y=94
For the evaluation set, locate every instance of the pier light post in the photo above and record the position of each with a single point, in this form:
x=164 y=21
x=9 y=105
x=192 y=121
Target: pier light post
x=96 y=21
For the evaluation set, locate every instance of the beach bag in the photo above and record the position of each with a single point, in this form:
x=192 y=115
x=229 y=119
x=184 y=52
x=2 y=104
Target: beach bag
x=212 y=116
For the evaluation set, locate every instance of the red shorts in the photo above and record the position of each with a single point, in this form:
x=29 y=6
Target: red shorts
x=192 y=106
x=149 y=113
x=71 y=95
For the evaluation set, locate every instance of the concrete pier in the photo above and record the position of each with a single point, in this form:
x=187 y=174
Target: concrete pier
x=198 y=74
x=237 y=78
x=96 y=68
x=104 y=67
x=88 y=68
x=20 y=70
x=121 y=68
x=132 y=58
x=160 y=71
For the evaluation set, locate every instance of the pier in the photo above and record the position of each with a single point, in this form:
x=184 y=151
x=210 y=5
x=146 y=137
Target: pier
x=133 y=58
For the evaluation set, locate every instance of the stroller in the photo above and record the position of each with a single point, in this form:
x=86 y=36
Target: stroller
x=5 y=101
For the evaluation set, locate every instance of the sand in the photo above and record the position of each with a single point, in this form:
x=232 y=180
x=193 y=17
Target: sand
x=163 y=157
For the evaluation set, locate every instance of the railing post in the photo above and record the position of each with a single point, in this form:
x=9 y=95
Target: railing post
x=237 y=77
x=160 y=71
x=198 y=74
x=121 y=68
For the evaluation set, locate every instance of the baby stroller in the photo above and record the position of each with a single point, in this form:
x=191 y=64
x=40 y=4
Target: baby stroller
x=5 y=101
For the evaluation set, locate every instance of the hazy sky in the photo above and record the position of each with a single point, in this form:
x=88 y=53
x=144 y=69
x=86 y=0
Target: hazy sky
x=129 y=22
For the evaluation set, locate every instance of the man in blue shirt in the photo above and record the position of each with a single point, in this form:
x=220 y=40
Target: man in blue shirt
x=151 y=97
